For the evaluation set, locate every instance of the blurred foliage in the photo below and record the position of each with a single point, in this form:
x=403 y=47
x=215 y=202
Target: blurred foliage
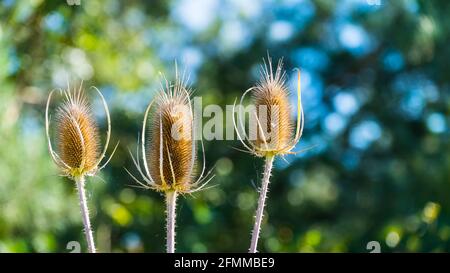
x=377 y=103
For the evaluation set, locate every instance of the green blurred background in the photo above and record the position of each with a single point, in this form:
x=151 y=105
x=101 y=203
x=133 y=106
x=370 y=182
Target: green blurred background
x=377 y=101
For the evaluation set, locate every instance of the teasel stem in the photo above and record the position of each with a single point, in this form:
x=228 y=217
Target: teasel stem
x=171 y=201
x=261 y=203
x=80 y=181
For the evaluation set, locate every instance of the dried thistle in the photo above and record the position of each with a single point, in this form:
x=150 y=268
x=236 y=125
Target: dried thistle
x=78 y=143
x=274 y=128
x=173 y=169
x=169 y=162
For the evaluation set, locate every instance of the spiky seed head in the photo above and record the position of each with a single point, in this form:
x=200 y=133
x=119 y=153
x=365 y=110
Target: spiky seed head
x=78 y=141
x=169 y=155
x=271 y=99
x=171 y=152
x=77 y=135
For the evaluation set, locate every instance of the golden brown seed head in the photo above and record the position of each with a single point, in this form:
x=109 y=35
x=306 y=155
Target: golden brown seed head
x=271 y=99
x=171 y=151
x=77 y=135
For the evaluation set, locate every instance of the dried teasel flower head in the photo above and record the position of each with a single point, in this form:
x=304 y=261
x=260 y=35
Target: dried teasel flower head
x=78 y=139
x=273 y=130
x=169 y=155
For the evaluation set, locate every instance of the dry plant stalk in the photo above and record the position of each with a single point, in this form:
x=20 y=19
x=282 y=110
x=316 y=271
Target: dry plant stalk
x=78 y=144
x=169 y=162
x=275 y=131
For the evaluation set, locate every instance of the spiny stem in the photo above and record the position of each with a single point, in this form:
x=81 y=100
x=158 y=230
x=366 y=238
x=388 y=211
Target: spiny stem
x=261 y=203
x=171 y=200
x=80 y=181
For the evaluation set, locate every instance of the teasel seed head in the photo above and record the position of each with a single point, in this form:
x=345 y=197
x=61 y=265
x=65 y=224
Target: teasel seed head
x=78 y=138
x=173 y=168
x=275 y=132
x=169 y=155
